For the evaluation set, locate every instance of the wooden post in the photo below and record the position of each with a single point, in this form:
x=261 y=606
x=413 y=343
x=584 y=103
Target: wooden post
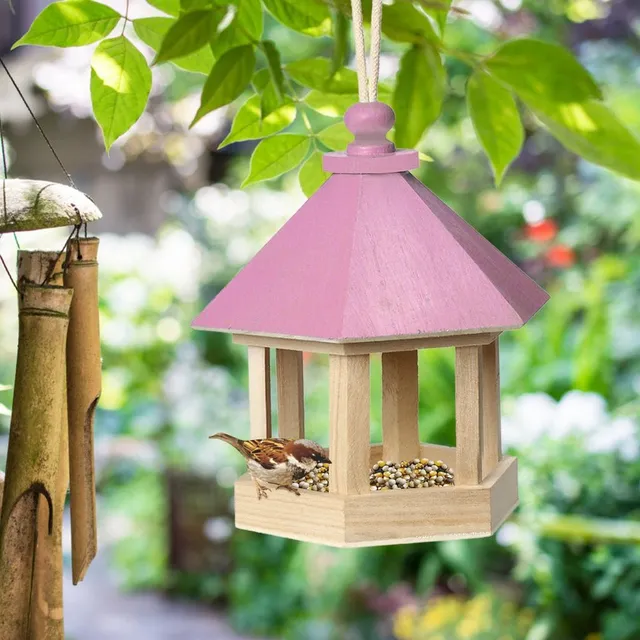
x=34 y=447
x=84 y=387
x=469 y=416
x=290 y=388
x=47 y=621
x=349 y=424
x=400 y=438
x=259 y=392
x=492 y=437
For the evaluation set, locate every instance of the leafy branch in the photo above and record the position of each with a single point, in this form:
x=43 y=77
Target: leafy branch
x=223 y=40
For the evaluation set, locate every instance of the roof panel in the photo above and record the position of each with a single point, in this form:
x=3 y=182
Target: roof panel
x=374 y=256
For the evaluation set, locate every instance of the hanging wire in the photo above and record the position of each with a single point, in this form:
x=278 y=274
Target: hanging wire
x=37 y=123
x=77 y=227
x=5 y=175
x=13 y=282
x=50 y=273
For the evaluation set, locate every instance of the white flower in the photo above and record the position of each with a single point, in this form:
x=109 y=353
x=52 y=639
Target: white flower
x=533 y=416
x=579 y=411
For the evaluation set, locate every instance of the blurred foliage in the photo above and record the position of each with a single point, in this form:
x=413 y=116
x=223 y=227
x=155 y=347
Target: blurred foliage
x=226 y=42
x=479 y=618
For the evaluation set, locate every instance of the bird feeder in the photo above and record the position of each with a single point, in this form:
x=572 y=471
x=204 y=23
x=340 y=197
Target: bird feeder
x=375 y=263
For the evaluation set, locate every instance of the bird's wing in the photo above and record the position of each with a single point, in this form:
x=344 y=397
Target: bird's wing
x=268 y=453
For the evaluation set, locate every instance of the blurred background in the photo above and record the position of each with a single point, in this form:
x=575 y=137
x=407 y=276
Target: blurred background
x=177 y=227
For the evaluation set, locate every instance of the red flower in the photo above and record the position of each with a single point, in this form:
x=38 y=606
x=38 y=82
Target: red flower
x=543 y=231
x=561 y=256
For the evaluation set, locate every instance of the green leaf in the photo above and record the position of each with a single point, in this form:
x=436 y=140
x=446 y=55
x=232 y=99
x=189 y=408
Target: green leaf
x=542 y=73
x=496 y=120
x=275 y=156
x=312 y=176
x=245 y=28
x=592 y=130
x=152 y=31
x=228 y=79
x=402 y=22
x=419 y=92
x=249 y=125
x=120 y=86
x=341 y=32
x=316 y=74
x=192 y=31
x=172 y=7
x=71 y=24
x=277 y=77
x=195 y=5
x=336 y=137
x=260 y=80
x=334 y=105
x=309 y=16
x=438 y=10
x=271 y=99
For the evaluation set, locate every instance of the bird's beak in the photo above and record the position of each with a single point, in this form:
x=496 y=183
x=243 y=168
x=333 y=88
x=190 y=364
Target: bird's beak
x=326 y=460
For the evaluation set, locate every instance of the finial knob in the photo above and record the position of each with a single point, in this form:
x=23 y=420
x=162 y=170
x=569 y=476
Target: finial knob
x=370 y=122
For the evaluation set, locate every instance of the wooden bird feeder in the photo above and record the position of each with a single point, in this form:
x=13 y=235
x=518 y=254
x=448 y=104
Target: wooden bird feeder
x=376 y=263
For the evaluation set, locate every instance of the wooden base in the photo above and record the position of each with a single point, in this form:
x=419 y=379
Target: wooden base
x=387 y=517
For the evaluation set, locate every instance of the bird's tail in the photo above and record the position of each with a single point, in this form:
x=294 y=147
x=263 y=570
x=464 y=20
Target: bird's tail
x=233 y=441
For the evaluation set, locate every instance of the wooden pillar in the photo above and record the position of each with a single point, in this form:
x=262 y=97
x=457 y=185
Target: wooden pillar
x=259 y=392
x=290 y=385
x=469 y=416
x=400 y=438
x=492 y=439
x=349 y=426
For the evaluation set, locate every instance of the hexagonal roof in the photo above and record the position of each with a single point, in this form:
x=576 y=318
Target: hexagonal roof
x=374 y=256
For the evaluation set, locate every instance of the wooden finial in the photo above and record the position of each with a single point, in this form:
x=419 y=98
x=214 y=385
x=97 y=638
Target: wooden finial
x=370 y=122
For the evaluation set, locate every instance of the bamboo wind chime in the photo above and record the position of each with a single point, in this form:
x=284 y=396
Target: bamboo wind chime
x=57 y=386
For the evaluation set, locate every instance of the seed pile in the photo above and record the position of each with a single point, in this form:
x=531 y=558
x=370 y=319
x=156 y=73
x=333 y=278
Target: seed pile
x=385 y=476
x=316 y=480
x=412 y=474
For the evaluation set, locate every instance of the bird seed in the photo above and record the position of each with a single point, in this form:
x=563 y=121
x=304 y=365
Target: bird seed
x=385 y=475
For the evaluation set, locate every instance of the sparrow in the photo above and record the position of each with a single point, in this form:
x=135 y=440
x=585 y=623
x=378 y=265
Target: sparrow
x=278 y=461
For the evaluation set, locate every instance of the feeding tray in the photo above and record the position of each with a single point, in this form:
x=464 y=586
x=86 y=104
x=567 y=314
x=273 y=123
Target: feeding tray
x=375 y=263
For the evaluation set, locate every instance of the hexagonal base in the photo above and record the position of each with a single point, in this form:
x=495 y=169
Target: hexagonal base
x=388 y=517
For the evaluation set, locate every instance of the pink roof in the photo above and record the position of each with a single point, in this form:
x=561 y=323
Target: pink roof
x=374 y=256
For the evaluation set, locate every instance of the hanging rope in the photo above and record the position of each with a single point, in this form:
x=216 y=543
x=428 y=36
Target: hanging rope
x=367 y=83
x=77 y=227
x=37 y=123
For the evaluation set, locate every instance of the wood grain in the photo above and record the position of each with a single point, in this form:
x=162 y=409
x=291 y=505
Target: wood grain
x=469 y=415
x=290 y=392
x=33 y=454
x=47 y=620
x=363 y=347
x=370 y=257
x=400 y=438
x=491 y=435
x=259 y=392
x=84 y=375
x=349 y=426
x=385 y=517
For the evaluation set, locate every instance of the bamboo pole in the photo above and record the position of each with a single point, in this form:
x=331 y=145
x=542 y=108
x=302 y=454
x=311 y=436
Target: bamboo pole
x=47 y=621
x=34 y=447
x=84 y=387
